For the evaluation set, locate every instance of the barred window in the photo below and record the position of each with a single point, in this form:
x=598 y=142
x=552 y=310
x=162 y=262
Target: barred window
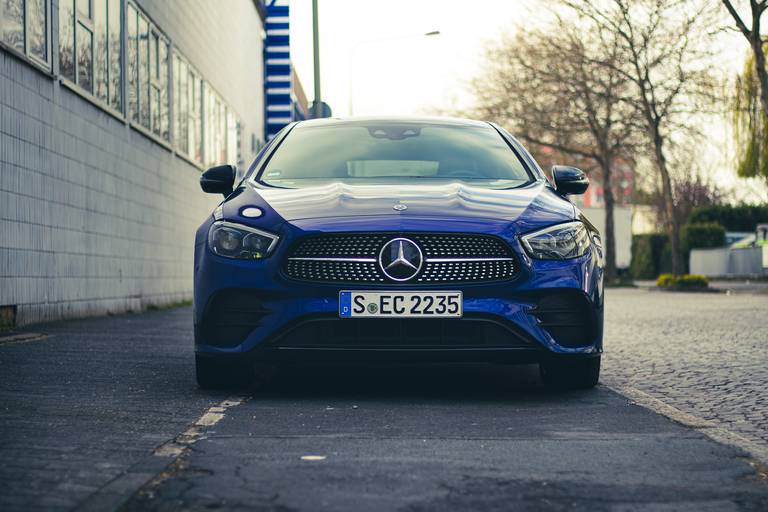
x=24 y=26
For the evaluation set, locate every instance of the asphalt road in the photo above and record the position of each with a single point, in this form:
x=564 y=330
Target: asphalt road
x=103 y=413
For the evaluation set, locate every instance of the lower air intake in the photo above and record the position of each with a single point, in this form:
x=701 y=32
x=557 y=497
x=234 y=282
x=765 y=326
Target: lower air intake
x=567 y=316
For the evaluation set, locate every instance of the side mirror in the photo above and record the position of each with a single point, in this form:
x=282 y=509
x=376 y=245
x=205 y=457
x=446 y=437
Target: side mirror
x=218 y=180
x=569 y=180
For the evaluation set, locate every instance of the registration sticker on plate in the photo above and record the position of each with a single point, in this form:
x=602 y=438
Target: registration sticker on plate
x=400 y=304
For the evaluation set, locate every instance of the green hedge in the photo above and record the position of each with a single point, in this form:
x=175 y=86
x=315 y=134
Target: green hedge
x=740 y=217
x=651 y=255
x=701 y=236
x=684 y=282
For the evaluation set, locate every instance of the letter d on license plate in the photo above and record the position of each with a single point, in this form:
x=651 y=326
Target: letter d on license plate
x=400 y=304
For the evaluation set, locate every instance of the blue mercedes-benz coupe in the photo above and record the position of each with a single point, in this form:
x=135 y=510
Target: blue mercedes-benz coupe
x=386 y=239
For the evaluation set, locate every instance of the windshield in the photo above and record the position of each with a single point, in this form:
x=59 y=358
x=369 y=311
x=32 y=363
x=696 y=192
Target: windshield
x=393 y=153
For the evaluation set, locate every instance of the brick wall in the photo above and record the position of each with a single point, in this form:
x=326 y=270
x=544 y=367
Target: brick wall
x=96 y=217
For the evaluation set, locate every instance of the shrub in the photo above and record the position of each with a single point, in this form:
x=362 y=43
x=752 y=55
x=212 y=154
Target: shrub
x=650 y=255
x=701 y=236
x=740 y=217
x=665 y=280
x=684 y=282
x=692 y=281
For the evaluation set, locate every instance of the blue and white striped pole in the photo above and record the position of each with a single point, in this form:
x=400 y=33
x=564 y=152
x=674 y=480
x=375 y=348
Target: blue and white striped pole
x=277 y=69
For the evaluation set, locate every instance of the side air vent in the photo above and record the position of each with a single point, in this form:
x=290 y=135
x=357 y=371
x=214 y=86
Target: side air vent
x=231 y=316
x=567 y=317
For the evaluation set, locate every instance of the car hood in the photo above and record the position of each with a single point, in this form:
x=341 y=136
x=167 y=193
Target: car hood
x=532 y=205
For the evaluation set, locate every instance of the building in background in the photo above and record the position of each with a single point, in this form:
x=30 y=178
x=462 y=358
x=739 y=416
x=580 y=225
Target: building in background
x=110 y=110
x=623 y=178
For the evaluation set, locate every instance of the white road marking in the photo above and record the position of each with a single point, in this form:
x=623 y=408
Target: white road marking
x=22 y=337
x=313 y=457
x=213 y=415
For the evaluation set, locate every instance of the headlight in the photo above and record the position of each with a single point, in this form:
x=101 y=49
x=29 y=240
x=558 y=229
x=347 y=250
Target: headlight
x=558 y=242
x=598 y=243
x=242 y=242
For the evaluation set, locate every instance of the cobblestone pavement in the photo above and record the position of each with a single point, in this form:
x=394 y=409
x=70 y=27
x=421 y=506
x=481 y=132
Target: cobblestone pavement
x=703 y=353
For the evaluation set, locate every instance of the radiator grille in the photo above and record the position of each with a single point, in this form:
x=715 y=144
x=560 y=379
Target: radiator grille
x=447 y=258
x=466 y=271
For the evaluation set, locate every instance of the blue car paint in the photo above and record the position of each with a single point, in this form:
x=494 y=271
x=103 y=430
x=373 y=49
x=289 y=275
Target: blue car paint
x=454 y=207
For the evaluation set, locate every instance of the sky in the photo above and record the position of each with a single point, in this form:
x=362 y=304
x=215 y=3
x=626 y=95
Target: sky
x=377 y=49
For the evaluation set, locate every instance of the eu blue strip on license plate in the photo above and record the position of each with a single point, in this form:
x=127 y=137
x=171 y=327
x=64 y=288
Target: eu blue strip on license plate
x=345 y=304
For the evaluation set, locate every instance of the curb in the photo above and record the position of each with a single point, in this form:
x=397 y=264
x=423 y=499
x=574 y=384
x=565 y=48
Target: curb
x=709 y=428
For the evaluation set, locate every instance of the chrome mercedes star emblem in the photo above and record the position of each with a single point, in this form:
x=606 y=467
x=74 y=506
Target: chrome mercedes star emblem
x=400 y=207
x=400 y=259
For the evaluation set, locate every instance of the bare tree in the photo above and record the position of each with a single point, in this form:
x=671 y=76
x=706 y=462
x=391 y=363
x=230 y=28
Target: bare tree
x=553 y=90
x=755 y=40
x=691 y=182
x=666 y=57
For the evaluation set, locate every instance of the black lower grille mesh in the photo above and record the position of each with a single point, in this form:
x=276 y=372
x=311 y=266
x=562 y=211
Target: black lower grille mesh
x=403 y=334
x=230 y=317
x=567 y=317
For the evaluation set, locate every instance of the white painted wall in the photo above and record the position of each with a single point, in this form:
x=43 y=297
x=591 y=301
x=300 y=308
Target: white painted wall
x=622 y=220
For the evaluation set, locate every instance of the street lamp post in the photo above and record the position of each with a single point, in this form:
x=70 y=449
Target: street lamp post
x=318 y=104
x=370 y=41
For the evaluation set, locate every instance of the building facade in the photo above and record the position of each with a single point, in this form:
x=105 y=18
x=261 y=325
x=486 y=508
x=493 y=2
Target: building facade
x=110 y=111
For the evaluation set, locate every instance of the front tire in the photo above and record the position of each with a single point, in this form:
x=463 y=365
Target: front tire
x=214 y=373
x=575 y=374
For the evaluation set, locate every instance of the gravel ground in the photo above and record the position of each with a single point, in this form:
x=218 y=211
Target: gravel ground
x=703 y=353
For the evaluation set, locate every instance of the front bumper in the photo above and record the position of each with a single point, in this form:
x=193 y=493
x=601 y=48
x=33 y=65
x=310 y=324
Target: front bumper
x=552 y=308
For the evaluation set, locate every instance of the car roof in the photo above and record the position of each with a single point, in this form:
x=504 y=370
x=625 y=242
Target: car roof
x=340 y=121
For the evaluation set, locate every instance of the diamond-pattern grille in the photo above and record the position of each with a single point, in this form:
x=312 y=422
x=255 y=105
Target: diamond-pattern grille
x=341 y=246
x=448 y=258
x=466 y=271
x=335 y=271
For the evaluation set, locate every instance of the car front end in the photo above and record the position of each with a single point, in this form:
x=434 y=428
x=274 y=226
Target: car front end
x=441 y=271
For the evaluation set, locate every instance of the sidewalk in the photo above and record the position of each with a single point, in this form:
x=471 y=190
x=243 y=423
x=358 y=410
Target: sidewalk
x=735 y=286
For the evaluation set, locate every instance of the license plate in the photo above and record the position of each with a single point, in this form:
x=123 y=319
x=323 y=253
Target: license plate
x=399 y=304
